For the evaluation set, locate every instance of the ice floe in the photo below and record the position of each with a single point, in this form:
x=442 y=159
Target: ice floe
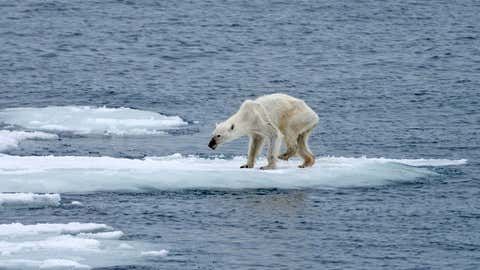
x=76 y=203
x=69 y=246
x=91 y=120
x=11 y=139
x=155 y=253
x=29 y=199
x=85 y=174
x=16 y=229
x=52 y=264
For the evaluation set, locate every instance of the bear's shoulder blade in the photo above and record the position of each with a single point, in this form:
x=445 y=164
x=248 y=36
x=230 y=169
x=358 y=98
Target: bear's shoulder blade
x=249 y=104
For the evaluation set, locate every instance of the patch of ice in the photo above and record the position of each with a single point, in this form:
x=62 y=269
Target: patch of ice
x=86 y=174
x=67 y=246
x=91 y=120
x=427 y=162
x=66 y=243
x=76 y=203
x=15 y=229
x=54 y=264
x=29 y=199
x=11 y=139
x=154 y=253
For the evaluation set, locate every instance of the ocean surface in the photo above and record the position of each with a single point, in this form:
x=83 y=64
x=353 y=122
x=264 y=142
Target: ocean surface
x=107 y=107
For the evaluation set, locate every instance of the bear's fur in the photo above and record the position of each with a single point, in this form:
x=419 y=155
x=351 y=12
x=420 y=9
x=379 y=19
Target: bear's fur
x=270 y=118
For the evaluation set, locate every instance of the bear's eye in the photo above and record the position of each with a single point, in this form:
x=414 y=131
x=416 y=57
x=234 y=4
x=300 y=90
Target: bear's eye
x=232 y=127
x=218 y=136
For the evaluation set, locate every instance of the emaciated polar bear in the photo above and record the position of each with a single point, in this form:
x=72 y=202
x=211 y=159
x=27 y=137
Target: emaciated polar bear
x=270 y=118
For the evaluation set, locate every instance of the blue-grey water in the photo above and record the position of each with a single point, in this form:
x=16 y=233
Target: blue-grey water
x=394 y=79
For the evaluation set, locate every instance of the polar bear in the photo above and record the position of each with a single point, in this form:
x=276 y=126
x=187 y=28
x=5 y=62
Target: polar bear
x=271 y=118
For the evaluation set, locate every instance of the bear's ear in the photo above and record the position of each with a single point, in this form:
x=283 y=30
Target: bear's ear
x=216 y=124
x=232 y=127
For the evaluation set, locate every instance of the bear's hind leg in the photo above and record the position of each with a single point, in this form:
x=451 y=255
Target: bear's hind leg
x=292 y=146
x=304 y=151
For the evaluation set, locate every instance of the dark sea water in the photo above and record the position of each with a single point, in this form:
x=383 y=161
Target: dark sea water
x=393 y=79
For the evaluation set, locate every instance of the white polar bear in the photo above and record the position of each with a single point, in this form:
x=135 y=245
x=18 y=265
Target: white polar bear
x=269 y=118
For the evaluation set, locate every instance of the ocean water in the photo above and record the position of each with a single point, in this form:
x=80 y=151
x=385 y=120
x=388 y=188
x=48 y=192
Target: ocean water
x=107 y=107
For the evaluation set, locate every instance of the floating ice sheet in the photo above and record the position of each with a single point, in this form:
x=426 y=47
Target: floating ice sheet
x=85 y=174
x=29 y=199
x=11 y=139
x=69 y=246
x=91 y=120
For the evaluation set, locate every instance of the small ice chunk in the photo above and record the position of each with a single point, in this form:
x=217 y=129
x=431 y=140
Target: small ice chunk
x=155 y=253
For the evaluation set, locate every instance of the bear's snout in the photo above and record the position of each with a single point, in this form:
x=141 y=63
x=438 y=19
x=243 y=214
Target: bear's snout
x=212 y=144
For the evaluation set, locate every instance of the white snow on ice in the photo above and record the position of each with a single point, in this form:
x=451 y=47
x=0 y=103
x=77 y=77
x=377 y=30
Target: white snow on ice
x=11 y=139
x=86 y=174
x=91 y=120
x=69 y=246
x=29 y=199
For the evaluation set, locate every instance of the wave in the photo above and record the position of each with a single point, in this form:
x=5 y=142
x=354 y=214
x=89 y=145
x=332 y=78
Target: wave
x=29 y=199
x=69 y=246
x=88 y=174
x=91 y=120
x=11 y=139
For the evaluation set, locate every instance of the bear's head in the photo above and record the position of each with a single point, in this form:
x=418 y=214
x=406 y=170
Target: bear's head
x=224 y=132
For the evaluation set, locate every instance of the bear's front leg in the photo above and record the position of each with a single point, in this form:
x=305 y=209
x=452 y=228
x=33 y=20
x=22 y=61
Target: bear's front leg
x=255 y=146
x=272 y=154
